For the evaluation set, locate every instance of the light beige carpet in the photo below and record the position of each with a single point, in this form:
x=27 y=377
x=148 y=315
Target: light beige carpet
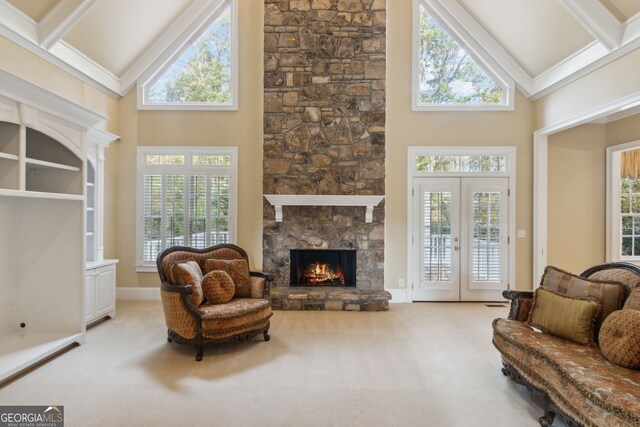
x=423 y=364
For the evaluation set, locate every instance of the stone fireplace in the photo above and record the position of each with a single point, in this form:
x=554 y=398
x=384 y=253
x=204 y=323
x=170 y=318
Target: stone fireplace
x=324 y=132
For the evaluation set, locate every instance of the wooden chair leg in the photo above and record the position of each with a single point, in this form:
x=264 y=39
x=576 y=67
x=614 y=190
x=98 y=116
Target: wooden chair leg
x=199 y=353
x=266 y=336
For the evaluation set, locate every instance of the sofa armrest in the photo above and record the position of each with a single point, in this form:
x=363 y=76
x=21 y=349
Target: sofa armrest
x=260 y=285
x=521 y=302
x=181 y=314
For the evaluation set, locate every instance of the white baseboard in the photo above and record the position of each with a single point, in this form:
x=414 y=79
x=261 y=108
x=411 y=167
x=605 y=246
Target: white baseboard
x=398 y=295
x=138 y=294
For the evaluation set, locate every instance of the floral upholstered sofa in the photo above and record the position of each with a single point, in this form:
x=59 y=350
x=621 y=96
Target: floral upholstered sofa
x=578 y=382
x=210 y=296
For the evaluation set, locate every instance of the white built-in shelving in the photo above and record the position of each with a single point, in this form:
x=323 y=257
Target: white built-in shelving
x=43 y=145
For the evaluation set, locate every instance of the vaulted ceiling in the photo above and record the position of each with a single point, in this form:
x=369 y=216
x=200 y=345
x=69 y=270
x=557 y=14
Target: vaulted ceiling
x=540 y=44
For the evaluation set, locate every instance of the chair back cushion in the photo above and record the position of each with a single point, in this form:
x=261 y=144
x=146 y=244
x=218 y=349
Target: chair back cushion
x=189 y=273
x=218 y=287
x=224 y=251
x=633 y=300
x=238 y=269
x=609 y=295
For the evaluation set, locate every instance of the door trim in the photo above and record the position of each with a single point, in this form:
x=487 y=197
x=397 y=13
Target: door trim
x=510 y=154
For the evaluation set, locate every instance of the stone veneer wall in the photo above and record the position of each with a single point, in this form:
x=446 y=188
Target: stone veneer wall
x=324 y=128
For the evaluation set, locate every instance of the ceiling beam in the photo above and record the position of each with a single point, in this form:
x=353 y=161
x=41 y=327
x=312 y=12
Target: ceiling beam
x=60 y=20
x=169 y=42
x=597 y=20
x=476 y=38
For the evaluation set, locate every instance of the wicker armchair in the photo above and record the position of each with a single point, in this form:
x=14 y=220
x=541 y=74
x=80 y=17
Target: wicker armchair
x=193 y=321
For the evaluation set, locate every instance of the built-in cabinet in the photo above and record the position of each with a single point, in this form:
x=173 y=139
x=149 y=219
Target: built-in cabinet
x=100 y=290
x=43 y=236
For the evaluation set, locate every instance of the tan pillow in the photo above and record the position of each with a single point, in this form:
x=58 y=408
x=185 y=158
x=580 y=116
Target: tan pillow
x=633 y=300
x=218 y=287
x=189 y=273
x=610 y=295
x=564 y=317
x=238 y=269
x=620 y=338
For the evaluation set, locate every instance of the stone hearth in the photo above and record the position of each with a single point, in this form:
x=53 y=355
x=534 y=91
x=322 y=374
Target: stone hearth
x=324 y=132
x=318 y=298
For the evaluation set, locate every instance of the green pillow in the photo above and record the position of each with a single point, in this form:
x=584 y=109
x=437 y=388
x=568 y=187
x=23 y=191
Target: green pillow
x=564 y=317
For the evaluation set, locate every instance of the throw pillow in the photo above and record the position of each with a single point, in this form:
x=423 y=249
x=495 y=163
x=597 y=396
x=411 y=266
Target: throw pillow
x=564 y=317
x=189 y=273
x=610 y=295
x=633 y=300
x=620 y=338
x=238 y=269
x=218 y=287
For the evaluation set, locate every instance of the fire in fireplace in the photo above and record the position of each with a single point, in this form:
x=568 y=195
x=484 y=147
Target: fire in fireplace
x=323 y=267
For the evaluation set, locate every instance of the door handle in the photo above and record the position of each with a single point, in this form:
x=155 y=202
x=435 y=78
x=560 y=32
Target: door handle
x=456 y=247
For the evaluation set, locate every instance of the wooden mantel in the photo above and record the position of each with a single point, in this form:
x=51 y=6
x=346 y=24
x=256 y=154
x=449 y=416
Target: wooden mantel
x=280 y=200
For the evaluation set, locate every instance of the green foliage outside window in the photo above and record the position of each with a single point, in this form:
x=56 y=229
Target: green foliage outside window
x=448 y=75
x=202 y=74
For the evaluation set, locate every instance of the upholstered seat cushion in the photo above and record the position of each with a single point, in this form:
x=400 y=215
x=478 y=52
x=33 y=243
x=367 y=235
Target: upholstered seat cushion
x=234 y=315
x=578 y=378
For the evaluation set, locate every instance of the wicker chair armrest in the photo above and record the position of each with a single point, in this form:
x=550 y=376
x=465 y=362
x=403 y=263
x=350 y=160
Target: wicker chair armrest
x=185 y=292
x=265 y=284
x=521 y=302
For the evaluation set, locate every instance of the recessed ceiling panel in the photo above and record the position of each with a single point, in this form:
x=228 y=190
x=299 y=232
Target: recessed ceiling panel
x=34 y=9
x=622 y=9
x=114 y=33
x=538 y=34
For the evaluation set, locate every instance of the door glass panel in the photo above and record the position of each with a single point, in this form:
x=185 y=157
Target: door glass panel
x=437 y=237
x=486 y=259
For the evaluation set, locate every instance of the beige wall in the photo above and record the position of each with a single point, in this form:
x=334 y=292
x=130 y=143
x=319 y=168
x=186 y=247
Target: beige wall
x=242 y=128
x=406 y=128
x=576 y=203
x=623 y=130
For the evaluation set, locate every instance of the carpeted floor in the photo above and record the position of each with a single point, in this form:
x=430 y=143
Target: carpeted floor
x=423 y=364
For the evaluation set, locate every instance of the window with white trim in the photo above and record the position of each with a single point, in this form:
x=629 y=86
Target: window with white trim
x=203 y=74
x=186 y=197
x=448 y=75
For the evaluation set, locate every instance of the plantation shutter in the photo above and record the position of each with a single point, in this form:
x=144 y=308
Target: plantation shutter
x=487 y=234
x=437 y=236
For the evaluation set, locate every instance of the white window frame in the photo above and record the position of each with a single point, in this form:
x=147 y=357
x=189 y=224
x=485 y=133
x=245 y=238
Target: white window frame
x=509 y=152
x=188 y=169
x=149 y=80
x=454 y=29
x=613 y=220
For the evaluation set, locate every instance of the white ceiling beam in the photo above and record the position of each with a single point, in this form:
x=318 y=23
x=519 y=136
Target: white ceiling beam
x=597 y=20
x=169 y=42
x=61 y=19
x=475 y=36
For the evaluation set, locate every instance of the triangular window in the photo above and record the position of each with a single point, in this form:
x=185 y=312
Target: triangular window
x=202 y=74
x=447 y=75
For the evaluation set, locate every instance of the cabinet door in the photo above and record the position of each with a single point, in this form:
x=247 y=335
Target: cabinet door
x=89 y=296
x=105 y=297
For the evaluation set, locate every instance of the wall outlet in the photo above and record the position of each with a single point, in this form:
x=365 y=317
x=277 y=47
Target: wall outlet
x=401 y=283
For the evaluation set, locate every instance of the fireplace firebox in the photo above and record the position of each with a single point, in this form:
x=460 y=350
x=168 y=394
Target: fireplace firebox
x=323 y=267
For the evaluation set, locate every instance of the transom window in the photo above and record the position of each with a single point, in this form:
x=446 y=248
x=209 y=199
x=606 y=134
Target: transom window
x=203 y=74
x=447 y=75
x=480 y=163
x=186 y=197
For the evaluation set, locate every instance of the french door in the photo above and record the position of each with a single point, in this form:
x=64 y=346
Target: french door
x=460 y=239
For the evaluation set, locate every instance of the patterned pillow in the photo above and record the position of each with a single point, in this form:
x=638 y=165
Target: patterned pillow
x=610 y=295
x=218 y=287
x=620 y=338
x=189 y=273
x=238 y=269
x=633 y=300
x=564 y=317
